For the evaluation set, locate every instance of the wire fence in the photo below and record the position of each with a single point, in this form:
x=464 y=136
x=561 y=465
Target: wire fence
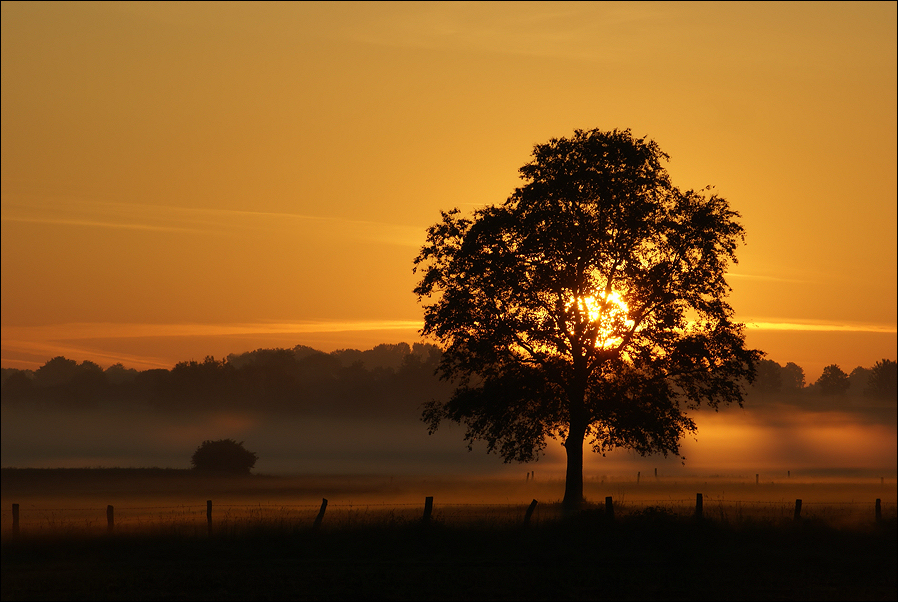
x=209 y=516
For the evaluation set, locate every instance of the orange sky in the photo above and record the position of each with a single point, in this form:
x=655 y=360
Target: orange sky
x=185 y=179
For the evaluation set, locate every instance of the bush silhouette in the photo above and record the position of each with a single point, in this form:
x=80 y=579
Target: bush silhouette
x=223 y=455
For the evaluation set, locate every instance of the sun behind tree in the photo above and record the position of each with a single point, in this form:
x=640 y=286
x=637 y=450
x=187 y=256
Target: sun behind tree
x=608 y=314
x=590 y=305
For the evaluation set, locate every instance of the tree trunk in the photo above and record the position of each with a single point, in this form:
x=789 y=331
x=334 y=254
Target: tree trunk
x=573 y=481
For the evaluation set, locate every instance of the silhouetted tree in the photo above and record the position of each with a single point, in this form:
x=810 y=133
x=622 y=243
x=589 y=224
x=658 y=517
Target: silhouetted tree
x=88 y=383
x=7 y=372
x=769 y=378
x=117 y=374
x=833 y=381
x=223 y=455
x=18 y=386
x=57 y=371
x=202 y=384
x=883 y=381
x=792 y=376
x=153 y=386
x=266 y=375
x=858 y=380
x=524 y=297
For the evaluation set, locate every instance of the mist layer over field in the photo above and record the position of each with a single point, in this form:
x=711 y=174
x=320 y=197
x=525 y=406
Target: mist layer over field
x=771 y=438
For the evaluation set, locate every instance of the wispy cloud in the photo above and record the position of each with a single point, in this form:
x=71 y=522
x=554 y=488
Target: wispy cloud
x=560 y=30
x=106 y=330
x=104 y=224
x=767 y=278
x=78 y=212
x=824 y=326
x=32 y=346
x=22 y=353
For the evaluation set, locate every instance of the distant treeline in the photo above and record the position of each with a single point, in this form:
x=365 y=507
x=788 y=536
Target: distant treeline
x=879 y=381
x=385 y=380
x=388 y=380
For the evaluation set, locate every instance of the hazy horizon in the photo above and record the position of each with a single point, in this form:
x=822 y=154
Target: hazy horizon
x=371 y=425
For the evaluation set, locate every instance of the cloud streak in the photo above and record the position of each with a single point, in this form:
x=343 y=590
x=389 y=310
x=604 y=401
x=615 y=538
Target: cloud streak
x=820 y=326
x=562 y=31
x=202 y=221
x=32 y=346
x=767 y=278
x=104 y=330
x=105 y=224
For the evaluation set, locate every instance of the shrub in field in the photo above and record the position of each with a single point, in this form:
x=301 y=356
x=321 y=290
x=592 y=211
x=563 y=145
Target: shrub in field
x=223 y=455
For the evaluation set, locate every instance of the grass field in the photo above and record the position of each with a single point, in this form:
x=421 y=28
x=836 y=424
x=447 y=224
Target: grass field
x=373 y=543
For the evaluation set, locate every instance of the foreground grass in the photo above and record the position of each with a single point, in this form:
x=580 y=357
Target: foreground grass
x=649 y=553
x=263 y=545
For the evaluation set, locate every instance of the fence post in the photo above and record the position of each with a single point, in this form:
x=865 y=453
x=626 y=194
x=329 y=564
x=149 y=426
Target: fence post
x=878 y=510
x=320 y=516
x=15 y=519
x=609 y=507
x=698 y=505
x=209 y=515
x=637 y=477
x=529 y=513
x=428 y=508
x=797 y=510
x=110 y=519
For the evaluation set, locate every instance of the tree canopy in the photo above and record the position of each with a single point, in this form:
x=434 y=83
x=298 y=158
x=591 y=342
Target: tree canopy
x=833 y=381
x=883 y=380
x=590 y=305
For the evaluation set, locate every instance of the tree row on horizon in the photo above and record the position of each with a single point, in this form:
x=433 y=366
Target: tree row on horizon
x=387 y=379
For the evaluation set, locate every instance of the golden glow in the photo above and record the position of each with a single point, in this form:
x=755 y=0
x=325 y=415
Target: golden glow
x=609 y=312
x=267 y=162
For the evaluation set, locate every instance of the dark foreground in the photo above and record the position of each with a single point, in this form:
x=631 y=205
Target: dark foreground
x=650 y=554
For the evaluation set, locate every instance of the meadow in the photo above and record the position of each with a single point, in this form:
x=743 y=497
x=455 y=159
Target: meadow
x=373 y=541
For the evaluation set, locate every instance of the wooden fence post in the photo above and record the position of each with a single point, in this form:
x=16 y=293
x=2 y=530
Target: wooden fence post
x=209 y=515
x=878 y=510
x=797 y=516
x=110 y=519
x=15 y=519
x=637 y=477
x=529 y=513
x=698 y=505
x=609 y=507
x=320 y=516
x=428 y=508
